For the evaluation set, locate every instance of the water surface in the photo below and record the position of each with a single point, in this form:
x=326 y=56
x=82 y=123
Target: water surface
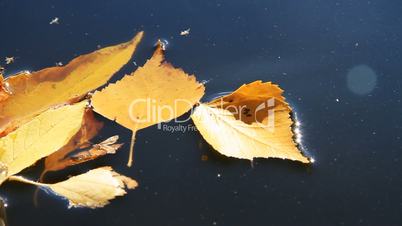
x=339 y=63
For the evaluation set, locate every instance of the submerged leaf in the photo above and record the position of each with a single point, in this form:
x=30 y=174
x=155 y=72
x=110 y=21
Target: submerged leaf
x=157 y=85
x=64 y=158
x=107 y=146
x=92 y=189
x=252 y=122
x=60 y=159
x=33 y=93
x=40 y=137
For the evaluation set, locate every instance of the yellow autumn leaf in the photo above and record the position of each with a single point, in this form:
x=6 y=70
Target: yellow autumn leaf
x=40 y=137
x=92 y=189
x=252 y=122
x=33 y=93
x=154 y=93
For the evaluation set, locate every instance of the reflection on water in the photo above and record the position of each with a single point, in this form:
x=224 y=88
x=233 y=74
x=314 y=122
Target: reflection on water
x=216 y=95
x=3 y=216
x=361 y=79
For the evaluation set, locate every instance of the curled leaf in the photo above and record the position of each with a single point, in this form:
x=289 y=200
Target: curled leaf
x=157 y=85
x=252 y=122
x=40 y=137
x=33 y=93
x=92 y=189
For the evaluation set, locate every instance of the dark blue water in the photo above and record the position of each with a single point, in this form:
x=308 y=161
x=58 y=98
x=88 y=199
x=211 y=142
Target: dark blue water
x=338 y=61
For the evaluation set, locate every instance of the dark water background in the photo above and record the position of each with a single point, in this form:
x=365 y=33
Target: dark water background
x=310 y=48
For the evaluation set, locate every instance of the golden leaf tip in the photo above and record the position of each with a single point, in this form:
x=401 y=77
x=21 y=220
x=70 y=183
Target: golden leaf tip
x=161 y=45
x=138 y=36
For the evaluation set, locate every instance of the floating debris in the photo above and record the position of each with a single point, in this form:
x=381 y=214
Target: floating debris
x=9 y=60
x=204 y=157
x=185 y=32
x=54 y=21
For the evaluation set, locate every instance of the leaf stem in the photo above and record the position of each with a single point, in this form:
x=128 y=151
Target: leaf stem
x=130 y=157
x=27 y=181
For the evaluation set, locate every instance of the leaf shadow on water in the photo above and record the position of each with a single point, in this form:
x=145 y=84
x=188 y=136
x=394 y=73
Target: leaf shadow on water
x=285 y=165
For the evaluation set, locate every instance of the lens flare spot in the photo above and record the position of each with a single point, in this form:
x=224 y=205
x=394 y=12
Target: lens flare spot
x=361 y=79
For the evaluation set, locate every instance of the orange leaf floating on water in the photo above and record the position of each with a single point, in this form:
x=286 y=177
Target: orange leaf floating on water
x=157 y=85
x=33 y=93
x=252 y=122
